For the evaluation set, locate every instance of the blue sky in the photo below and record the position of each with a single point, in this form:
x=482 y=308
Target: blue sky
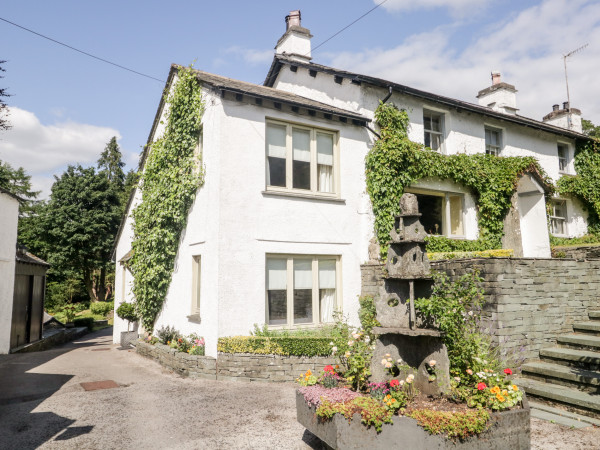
x=65 y=106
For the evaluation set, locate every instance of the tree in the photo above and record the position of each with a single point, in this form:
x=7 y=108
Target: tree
x=590 y=129
x=79 y=225
x=4 y=125
x=16 y=181
x=131 y=180
x=111 y=165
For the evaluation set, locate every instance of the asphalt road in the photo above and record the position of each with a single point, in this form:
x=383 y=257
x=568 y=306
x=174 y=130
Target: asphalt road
x=43 y=405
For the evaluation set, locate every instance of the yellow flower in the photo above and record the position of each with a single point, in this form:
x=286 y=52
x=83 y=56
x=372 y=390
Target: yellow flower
x=308 y=373
x=504 y=392
x=500 y=398
x=515 y=388
x=495 y=390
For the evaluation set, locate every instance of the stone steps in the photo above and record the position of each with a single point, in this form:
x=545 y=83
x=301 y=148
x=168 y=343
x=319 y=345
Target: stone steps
x=560 y=416
x=580 y=341
x=587 y=327
x=583 y=359
x=581 y=379
x=561 y=396
x=594 y=315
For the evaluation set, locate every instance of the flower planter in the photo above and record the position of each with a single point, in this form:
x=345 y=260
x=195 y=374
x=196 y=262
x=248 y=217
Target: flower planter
x=509 y=429
x=127 y=337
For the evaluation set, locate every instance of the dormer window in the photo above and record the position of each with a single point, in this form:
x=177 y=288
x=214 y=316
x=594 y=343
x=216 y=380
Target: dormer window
x=433 y=124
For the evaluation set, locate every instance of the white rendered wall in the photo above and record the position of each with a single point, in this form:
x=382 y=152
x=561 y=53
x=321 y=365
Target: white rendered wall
x=8 y=242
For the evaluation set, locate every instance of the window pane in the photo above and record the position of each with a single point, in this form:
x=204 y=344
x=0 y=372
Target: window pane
x=276 y=154
x=276 y=274
x=303 y=274
x=325 y=149
x=325 y=179
x=196 y=266
x=431 y=208
x=326 y=305
x=303 y=284
x=435 y=123
x=276 y=171
x=327 y=274
x=456 y=215
x=301 y=164
x=277 y=307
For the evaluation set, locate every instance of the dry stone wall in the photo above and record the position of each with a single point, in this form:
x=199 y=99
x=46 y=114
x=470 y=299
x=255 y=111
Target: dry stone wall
x=233 y=366
x=529 y=302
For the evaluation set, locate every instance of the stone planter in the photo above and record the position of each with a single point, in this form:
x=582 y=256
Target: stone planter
x=127 y=337
x=509 y=429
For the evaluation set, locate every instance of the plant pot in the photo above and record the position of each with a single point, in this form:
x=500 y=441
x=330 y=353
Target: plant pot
x=127 y=337
x=508 y=429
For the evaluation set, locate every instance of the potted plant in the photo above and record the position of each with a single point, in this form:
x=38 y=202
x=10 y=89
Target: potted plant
x=126 y=311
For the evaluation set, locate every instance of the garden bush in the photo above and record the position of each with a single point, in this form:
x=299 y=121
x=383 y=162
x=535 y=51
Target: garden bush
x=102 y=308
x=277 y=345
x=500 y=253
x=166 y=334
x=84 y=322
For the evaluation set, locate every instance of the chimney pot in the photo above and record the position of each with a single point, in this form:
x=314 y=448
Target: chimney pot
x=565 y=105
x=555 y=108
x=496 y=78
x=293 y=19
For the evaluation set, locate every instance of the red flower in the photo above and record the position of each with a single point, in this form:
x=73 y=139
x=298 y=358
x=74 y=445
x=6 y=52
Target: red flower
x=481 y=386
x=508 y=371
x=329 y=369
x=394 y=383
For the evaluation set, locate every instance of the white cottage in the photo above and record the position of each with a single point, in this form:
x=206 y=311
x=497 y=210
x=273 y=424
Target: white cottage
x=9 y=205
x=279 y=229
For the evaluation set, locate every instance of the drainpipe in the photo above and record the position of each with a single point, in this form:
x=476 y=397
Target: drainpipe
x=385 y=99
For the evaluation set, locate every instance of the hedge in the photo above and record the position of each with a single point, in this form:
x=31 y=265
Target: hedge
x=500 y=253
x=288 y=346
x=84 y=322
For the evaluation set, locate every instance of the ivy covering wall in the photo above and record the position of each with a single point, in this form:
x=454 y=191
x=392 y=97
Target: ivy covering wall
x=171 y=177
x=395 y=162
x=586 y=184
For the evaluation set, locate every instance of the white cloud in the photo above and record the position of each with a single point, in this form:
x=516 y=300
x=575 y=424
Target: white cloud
x=43 y=150
x=527 y=49
x=250 y=55
x=456 y=7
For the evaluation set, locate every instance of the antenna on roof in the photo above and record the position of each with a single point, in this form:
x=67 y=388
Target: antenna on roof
x=577 y=50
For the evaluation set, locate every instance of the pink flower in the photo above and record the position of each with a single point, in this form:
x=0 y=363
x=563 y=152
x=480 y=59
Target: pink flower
x=394 y=383
x=508 y=371
x=469 y=371
x=329 y=368
x=481 y=386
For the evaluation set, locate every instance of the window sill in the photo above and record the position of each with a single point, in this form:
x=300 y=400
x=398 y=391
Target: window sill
x=194 y=318
x=308 y=196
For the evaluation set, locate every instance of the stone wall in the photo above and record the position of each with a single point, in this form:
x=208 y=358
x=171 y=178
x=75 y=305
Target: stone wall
x=233 y=367
x=580 y=252
x=528 y=301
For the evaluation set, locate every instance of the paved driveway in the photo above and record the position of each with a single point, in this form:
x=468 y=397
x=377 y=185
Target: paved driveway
x=43 y=405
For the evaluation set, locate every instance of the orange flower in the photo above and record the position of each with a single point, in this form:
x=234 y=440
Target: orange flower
x=504 y=392
x=308 y=373
x=500 y=398
x=495 y=390
x=515 y=388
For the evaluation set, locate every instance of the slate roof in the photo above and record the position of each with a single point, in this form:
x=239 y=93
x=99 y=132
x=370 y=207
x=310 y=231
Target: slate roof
x=280 y=60
x=23 y=256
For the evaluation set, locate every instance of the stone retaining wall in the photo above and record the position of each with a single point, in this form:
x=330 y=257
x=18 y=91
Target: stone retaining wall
x=580 y=252
x=529 y=302
x=233 y=367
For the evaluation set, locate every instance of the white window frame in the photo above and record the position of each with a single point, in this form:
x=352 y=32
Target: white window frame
x=196 y=285
x=316 y=322
x=446 y=215
x=288 y=188
x=554 y=219
x=490 y=149
x=566 y=159
x=433 y=113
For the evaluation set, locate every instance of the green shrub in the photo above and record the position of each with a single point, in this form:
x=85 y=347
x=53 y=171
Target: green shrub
x=566 y=242
x=166 y=334
x=500 y=253
x=367 y=314
x=453 y=424
x=126 y=311
x=102 y=308
x=264 y=331
x=84 y=322
x=372 y=412
x=278 y=345
x=436 y=244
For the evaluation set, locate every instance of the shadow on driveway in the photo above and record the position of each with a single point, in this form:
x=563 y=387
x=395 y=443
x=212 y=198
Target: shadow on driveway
x=22 y=391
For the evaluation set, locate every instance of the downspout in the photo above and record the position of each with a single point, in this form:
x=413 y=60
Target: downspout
x=385 y=99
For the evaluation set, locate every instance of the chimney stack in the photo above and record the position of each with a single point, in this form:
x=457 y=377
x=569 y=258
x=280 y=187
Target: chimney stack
x=295 y=42
x=500 y=96
x=567 y=117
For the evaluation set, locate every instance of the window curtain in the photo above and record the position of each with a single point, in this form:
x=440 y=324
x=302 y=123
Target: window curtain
x=325 y=162
x=301 y=145
x=276 y=147
x=276 y=274
x=327 y=290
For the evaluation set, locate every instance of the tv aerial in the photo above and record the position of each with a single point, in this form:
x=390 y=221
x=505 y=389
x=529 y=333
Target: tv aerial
x=571 y=53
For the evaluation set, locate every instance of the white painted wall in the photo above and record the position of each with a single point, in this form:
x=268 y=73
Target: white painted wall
x=8 y=242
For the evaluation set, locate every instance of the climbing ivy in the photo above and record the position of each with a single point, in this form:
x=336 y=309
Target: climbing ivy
x=395 y=162
x=586 y=184
x=168 y=185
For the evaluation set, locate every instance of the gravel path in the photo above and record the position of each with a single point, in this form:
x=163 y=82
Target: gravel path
x=43 y=405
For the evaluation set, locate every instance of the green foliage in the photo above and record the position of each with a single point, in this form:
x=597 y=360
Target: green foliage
x=590 y=129
x=111 y=165
x=264 y=331
x=568 y=242
x=167 y=334
x=438 y=244
x=499 y=253
x=372 y=412
x=79 y=224
x=394 y=163
x=586 y=184
x=459 y=424
x=126 y=311
x=69 y=312
x=84 y=322
x=454 y=307
x=295 y=346
x=16 y=181
x=168 y=186
x=102 y=308
x=367 y=314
